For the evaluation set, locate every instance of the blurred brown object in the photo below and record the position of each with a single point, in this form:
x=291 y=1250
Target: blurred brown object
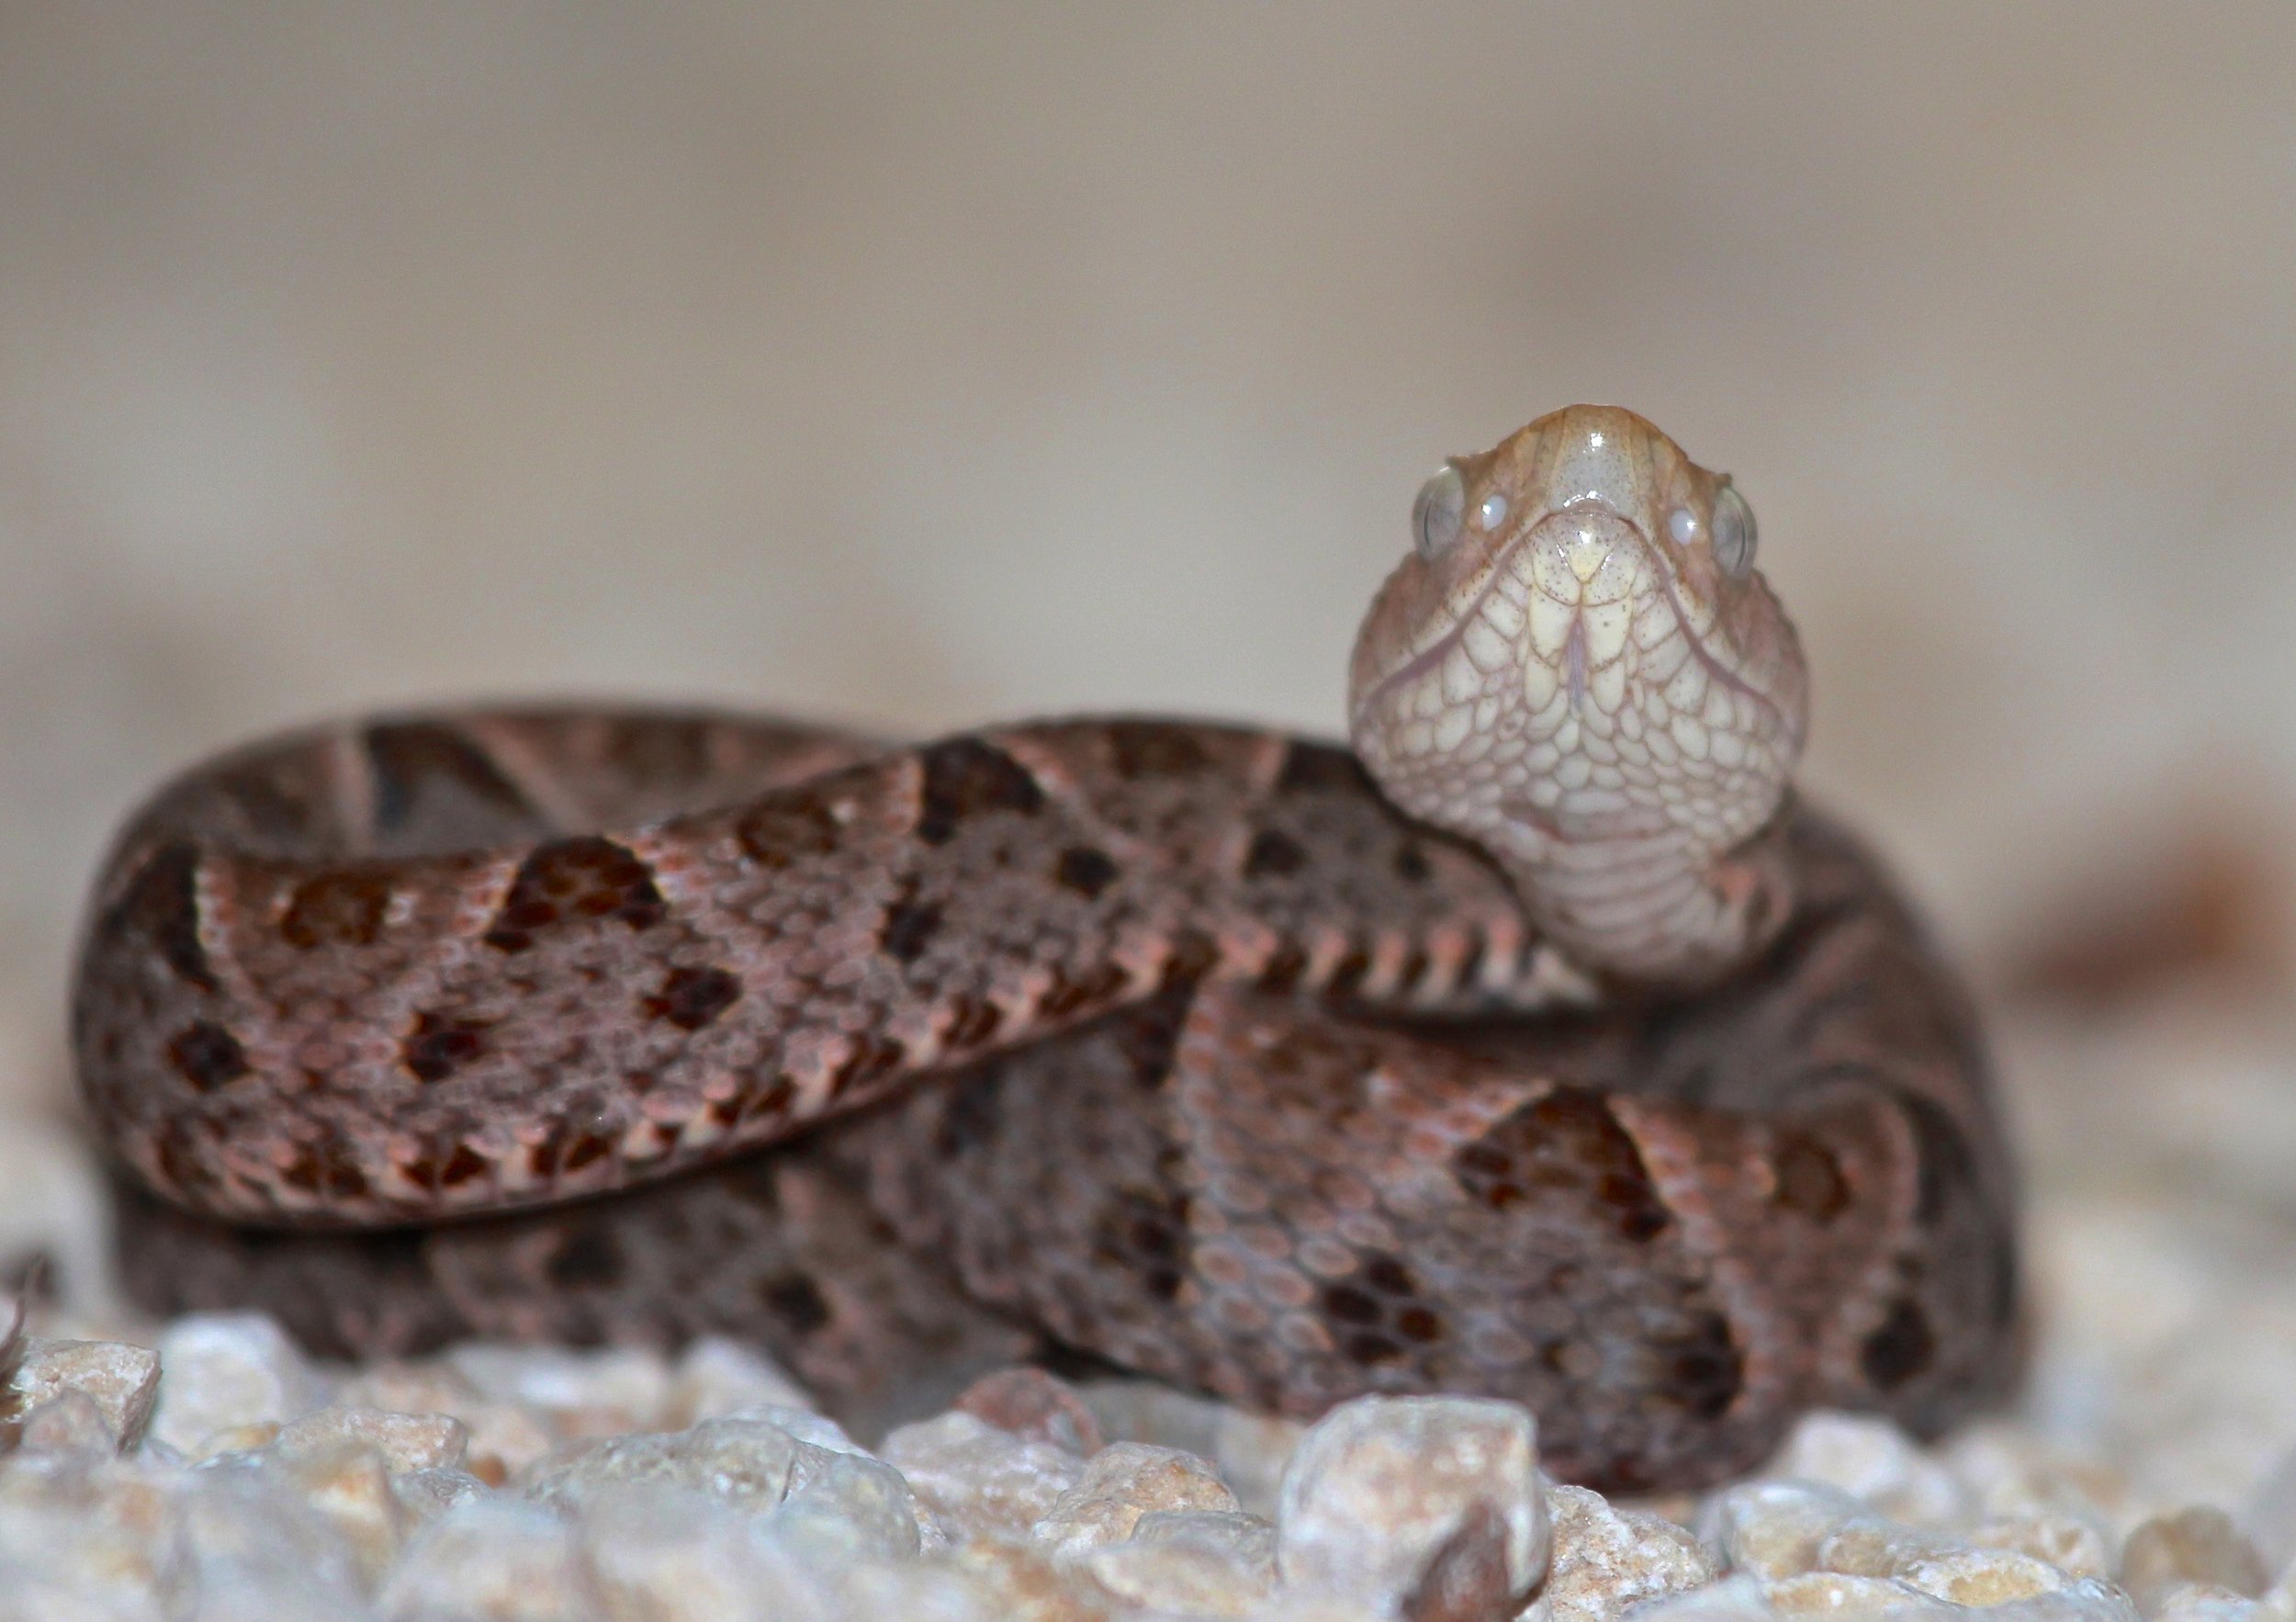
x=2207 y=907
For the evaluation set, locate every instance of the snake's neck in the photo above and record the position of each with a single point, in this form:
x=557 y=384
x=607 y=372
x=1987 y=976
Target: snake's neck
x=1629 y=898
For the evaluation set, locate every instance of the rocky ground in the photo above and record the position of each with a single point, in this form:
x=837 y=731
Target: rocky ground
x=205 y=1468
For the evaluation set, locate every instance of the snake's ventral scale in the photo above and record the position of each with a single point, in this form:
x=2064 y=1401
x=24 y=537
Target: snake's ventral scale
x=1545 y=1045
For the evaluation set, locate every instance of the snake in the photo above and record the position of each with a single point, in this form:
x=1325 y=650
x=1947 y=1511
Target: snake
x=1545 y=1044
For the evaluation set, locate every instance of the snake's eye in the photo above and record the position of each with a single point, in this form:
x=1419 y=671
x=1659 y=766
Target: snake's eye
x=1434 y=516
x=1734 y=536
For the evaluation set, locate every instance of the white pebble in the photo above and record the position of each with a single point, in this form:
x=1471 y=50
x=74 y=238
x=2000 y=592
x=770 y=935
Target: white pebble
x=1390 y=1498
x=978 y=1478
x=225 y=1375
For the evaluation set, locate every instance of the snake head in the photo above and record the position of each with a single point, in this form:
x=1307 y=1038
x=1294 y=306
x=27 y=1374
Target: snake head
x=1578 y=667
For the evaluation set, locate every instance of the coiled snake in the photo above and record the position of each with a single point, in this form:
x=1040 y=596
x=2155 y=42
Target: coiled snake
x=1575 y=1062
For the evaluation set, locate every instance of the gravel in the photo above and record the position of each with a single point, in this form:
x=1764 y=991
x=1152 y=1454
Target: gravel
x=206 y=1468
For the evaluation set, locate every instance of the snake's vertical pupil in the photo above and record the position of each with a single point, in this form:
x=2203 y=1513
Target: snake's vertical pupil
x=1434 y=516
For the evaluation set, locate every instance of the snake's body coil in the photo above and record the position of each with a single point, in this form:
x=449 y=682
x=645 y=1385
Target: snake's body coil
x=1169 y=1043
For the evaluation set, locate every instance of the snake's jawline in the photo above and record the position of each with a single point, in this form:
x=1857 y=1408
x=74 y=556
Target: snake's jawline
x=1668 y=1228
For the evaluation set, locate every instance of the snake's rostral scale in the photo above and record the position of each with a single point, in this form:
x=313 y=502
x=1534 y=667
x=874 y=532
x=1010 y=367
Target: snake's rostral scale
x=1545 y=1045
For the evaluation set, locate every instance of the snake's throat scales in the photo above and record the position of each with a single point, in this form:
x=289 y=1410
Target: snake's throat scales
x=1545 y=1045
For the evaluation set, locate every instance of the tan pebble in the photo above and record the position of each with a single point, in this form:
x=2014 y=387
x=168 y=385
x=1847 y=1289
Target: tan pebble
x=68 y=1421
x=1118 y=1486
x=1028 y=1586
x=1837 y=1593
x=504 y=1437
x=1874 y=1546
x=121 y=1380
x=1249 y=1450
x=406 y=1441
x=236 y=1438
x=1773 y=1529
x=2196 y=1545
x=2073 y=1543
x=1984 y=1576
x=1606 y=1559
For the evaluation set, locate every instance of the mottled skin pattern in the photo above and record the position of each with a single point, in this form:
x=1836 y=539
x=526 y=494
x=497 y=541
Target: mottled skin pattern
x=1165 y=1044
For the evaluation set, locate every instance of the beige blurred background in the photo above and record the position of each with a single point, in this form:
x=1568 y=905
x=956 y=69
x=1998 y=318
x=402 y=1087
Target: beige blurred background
x=920 y=365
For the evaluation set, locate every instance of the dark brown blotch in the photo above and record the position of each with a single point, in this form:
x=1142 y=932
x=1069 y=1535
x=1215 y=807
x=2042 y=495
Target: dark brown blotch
x=1322 y=769
x=1567 y=1145
x=441 y=1044
x=587 y=1258
x=972 y=1021
x=909 y=927
x=873 y=1058
x=1349 y=1305
x=1286 y=965
x=327 y=1168
x=1347 y=975
x=1368 y=1350
x=464 y=1164
x=1388 y=1276
x=1411 y=864
x=1194 y=954
x=586 y=878
x=1470 y=964
x=1701 y=1368
x=1419 y=1323
x=344 y=908
x=1273 y=854
x=1084 y=870
x=1147 y=1036
x=796 y=1300
x=793 y=825
x=1809 y=1179
x=1155 y=749
x=208 y=1056
x=1069 y=993
x=692 y=999
x=1144 y=1232
x=965 y=778
x=162 y=903
x=1900 y=1347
